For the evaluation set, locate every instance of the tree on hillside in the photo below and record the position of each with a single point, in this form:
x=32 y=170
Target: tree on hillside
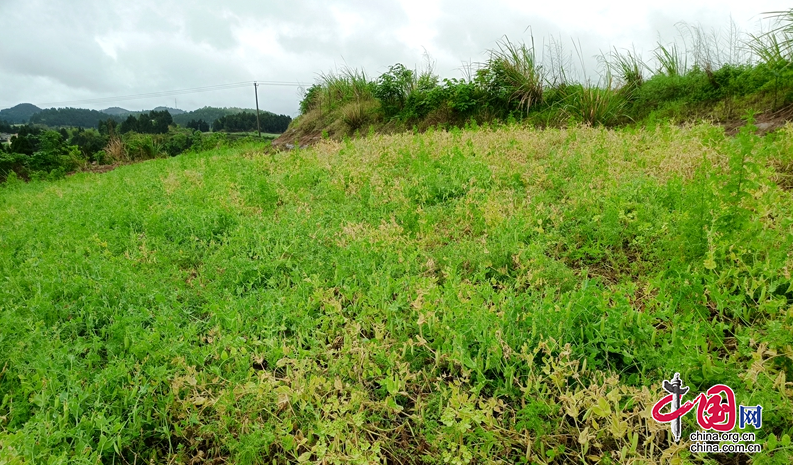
x=71 y=117
x=107 y=127
x=19 y=114
x=89 y=141
x=154 y=122
x=208 y=114
x=160 y=121
x=129 y=125
x=145 y=124
x=26 y=140
x=246 y=122
x=199 y=125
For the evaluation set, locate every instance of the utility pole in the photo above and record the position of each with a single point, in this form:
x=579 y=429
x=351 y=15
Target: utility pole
x=256 y=91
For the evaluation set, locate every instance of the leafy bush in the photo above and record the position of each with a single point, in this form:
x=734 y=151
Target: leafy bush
x=393 y=89
x=89 y=142
x=142 y=146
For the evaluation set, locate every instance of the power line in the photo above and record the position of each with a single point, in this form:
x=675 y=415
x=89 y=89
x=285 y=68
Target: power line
x=171 y=93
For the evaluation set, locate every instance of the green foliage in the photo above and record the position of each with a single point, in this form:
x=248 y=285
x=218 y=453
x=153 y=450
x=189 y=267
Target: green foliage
x=208 y=114
x=462 y=96
x=671 y=60
x=311 y=98
x=199 y=125
x=38 y=153
x=107 y=127
x=155 y=122
x=72 y=117
x=247 y=122
x=88 y=141
x=19 y=114
x=6 y=127
x=705 y=76
x=52 y=154
x=12 y=163
x=27 y=140
x=393 y=89
x=628 y=67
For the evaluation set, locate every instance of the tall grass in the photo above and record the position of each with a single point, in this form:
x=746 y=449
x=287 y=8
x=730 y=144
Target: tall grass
x=783 y=27
x=594 y=105
x=671 y=59
x=702 y=73
x=336 y=88
x=516 y=72
x=557 y=63
x=626 y=66
x=774 y=48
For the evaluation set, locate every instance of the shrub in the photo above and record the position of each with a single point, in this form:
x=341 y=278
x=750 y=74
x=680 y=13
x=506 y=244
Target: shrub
x=89 y=141
x=53 y=154
x=115 y=151
x=513 y=77
x=336 y=89
x=142 y=146
x=594 y=105
x=12 y=164
x=393 y=88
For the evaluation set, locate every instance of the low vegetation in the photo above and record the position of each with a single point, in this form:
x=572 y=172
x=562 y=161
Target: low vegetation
x=41 y=153
x=489 y=295
x=705 y=75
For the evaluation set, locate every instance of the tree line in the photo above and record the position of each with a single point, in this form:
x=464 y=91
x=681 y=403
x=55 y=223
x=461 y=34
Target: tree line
x=152 y=122
x=246 y=122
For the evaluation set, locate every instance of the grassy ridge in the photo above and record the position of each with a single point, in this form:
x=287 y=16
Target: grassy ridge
x=489 y=295
x=711 y=75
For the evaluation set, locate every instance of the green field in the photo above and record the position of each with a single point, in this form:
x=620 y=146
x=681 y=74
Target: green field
x=487 y=295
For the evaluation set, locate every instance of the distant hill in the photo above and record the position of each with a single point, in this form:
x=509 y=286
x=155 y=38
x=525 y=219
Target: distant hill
x=208 y=114
x=116 y=111
x=19 y=114
x=81 y=117
x=71 y=117
x=172 y=111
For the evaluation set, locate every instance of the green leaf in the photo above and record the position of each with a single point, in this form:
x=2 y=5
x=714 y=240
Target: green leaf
x=771 y=442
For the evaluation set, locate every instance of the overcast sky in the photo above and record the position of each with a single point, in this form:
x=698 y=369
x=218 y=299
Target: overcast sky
x=58 y=53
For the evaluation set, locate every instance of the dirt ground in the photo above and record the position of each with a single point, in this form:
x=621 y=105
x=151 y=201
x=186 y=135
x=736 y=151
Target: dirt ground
x=766 y=122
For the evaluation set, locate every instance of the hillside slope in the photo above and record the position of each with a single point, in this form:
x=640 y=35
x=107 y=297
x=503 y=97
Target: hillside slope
x=493 y=295
x=19 y=114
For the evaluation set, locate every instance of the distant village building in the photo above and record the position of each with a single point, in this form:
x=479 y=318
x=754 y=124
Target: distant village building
x=6 y=138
